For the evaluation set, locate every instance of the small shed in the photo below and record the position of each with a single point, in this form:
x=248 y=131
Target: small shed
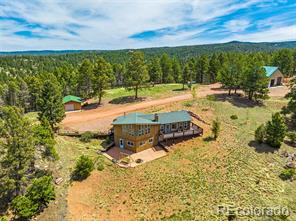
x=275 y=76
x=72 y=103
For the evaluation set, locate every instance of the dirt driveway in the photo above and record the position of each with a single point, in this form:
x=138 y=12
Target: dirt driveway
x=100 y=119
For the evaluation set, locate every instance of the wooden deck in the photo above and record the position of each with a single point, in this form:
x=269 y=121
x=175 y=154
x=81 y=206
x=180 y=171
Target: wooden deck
x=194 y=131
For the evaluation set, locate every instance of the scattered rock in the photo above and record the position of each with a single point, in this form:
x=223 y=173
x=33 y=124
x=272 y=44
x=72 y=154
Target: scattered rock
x=58 y=181
x=291 y=165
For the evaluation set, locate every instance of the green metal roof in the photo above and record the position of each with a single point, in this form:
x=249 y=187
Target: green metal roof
x=163 y=118
x=269 y=70
x=69 y=98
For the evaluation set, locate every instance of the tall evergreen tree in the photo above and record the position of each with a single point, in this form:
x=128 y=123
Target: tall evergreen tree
x=50 y=102
x=34 y=86
x=166 y=68
x=85 y=77
x=17 y=150
x=255 y=82
x=137 y=74
x=103 y=76
x=177 y=71
x=214 y=68
x=284 y=60
x=155 y=72
x=186 y=75
x=119 y=70
x=202 y=68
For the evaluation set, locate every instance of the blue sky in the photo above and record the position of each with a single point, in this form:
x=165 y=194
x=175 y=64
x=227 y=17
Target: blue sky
x=117 y=24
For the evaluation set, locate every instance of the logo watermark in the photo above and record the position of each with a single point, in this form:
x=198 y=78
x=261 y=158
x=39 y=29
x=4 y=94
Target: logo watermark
x=252 y=211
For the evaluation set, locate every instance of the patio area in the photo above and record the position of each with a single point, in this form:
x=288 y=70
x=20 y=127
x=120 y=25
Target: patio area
x=125 y=158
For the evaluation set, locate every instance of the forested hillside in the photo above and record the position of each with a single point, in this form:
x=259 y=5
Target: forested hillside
x=88 y=74
x=181 y=52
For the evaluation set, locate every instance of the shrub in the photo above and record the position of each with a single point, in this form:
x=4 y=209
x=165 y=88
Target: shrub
x=100 y=166
x=83 y=168
x=44 y=136
x=234 y=117
x=41 y=191
x=188 y=103
x=86 y=137
x=292 y=137
x=288 y=174
x=211 y=97
x=275 y=130
x=23 y=207
x=216 y=128
x=260 y=133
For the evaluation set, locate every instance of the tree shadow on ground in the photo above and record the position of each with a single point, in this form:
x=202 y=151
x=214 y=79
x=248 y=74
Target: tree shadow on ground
x=289 y=143
x=209 y=139
x=126 y=100
x=261 y=148
x=237 y=100
x=180 y=89
x=90 y=106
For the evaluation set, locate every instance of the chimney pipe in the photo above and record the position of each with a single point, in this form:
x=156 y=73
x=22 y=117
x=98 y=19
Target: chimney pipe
x=155 y=117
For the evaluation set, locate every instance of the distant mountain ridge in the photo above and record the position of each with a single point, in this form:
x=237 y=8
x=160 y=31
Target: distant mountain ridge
x=186 y=51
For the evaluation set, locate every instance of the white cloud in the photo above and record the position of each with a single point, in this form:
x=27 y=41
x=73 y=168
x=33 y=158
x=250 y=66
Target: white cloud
x=103 y=24
x=237 y=25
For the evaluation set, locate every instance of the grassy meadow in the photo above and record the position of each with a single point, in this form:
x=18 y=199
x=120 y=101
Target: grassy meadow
x=158 y=91
x=196 y=176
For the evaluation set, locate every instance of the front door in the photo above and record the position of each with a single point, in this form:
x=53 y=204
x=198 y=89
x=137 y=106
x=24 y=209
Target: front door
x=121 y=143
x=271 y=82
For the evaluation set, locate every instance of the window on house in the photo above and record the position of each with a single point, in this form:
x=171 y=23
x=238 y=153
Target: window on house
x=142 y=143
x=162 y=128
x=151 y=140
x=130 y=143
x=186 y=125
x=174 y=126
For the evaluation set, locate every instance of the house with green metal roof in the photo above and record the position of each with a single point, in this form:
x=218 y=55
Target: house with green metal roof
x=139 y=131
x=275 y=76
x=72 y=103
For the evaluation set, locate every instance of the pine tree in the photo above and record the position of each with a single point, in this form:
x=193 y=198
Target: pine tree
x=214 y=68
x=185 y=75
x=275 y=130
x=260 y=133
x=137 y=74
x=103 y=76
x=177 y=71
x=85 y=76
x=291 y=107
x=155 y=72
x=50 y=101
x=166 y=68
x=202 y=69
x=255 y=82
x=17 y=145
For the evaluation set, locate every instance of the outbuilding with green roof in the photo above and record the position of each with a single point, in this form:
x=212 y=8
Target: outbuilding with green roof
x=72 y=103
x=275 y=76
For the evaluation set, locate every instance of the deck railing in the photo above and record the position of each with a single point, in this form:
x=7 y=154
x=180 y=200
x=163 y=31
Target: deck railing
x=194 y=130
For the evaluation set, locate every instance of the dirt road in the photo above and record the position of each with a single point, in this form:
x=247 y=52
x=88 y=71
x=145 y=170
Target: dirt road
x=100 y=119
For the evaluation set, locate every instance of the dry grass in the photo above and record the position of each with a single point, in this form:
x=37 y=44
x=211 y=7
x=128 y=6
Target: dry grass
x=194 y=178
